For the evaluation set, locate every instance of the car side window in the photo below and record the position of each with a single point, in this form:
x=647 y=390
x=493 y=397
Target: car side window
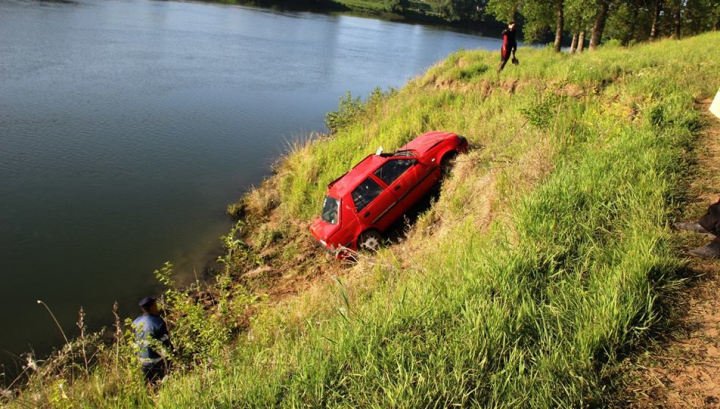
x=393 y=169
x=366 y=193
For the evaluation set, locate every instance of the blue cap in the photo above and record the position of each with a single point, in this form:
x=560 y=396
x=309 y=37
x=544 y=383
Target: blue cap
x=146 y=302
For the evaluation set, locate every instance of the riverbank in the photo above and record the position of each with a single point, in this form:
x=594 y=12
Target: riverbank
x=541 y=264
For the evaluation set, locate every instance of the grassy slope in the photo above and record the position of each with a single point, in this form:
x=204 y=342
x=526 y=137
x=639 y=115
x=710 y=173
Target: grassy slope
x=544 y=264
x=538 y=266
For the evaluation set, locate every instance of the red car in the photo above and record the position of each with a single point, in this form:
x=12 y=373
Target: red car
x=363 y=203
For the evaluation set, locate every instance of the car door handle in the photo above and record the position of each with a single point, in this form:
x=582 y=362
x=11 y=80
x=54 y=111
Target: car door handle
x=366 y=214
x=397 y=187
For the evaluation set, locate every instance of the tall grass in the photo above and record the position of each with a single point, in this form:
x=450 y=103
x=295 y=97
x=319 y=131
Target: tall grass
x=540 y=265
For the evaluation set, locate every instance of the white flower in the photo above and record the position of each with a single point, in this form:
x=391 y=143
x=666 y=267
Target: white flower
x=31 y=363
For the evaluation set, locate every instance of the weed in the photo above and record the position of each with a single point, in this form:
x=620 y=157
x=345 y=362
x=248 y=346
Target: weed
x=543 y=112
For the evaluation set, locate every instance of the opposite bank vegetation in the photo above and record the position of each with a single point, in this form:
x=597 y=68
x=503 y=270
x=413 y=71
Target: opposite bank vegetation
x=570 y=22
x=543 y=262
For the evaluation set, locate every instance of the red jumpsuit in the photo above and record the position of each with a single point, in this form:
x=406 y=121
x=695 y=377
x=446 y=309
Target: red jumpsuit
x=509 y=46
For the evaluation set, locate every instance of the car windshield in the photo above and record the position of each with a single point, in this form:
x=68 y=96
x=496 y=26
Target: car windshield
x=330 y=210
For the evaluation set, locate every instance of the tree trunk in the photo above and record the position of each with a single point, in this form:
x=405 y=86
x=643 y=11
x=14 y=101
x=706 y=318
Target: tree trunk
x=559 y=29
x=574 y=43
x=599 y=25
x=633 y=18
x=656 y=20
x=678 y=21
x=581 y=41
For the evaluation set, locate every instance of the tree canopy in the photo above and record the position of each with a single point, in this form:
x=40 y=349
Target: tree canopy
x=625 y=22
x=571 y=22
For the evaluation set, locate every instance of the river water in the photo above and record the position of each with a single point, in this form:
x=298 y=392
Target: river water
x=126 y=127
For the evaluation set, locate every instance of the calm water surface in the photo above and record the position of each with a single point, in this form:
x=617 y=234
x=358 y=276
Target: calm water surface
x=127 y=126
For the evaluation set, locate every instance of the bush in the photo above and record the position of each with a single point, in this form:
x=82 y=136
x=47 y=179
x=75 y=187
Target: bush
x=349 y=109
x=397 y=6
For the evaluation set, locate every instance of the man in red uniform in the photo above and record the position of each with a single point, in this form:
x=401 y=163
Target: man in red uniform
x=509 y=45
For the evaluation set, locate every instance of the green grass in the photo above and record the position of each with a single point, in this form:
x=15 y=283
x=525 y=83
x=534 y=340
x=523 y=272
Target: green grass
x=538 y=268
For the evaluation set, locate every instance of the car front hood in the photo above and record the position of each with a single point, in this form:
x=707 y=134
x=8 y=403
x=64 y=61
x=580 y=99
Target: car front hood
x=323 y=232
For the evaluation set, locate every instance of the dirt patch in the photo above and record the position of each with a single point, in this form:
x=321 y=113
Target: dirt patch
x=571 y=90
x=683 y=370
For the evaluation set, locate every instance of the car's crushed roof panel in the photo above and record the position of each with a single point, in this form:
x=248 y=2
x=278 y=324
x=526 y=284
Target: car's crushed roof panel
x=355 y=176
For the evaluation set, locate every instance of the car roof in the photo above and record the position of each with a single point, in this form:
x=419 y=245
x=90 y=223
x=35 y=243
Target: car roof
x=349 y=181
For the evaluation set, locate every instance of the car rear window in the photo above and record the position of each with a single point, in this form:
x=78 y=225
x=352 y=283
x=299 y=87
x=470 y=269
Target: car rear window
x=330 y=210
x=366 y=193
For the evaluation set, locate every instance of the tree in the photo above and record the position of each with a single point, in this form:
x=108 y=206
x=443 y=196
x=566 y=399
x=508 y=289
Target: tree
x=538 y=17
x=577 y=15
x=461 y=10
x=677 y=10
x=626 y=17
x=599 y=24
x=702 y=16
x=397 y=6
x=657 y=10
x=559 y=25
x=504 y=10
x=629 y=21
x=581 y=41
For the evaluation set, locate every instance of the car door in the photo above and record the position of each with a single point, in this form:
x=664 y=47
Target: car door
x=401 y=175
x=372 y=198
x=415 y=183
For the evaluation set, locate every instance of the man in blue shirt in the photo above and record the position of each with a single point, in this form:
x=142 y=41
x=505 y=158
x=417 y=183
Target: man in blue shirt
x=151 y=335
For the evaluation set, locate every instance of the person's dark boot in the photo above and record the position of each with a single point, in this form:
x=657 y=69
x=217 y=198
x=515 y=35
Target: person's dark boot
x=693 y=227
x=712 y=250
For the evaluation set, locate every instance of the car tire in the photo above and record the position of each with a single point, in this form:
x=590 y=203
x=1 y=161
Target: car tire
x=370 y=241
x=447 y=163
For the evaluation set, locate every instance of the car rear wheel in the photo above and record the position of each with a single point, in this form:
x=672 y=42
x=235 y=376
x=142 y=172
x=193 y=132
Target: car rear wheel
x=370 y=241
x=447 y=163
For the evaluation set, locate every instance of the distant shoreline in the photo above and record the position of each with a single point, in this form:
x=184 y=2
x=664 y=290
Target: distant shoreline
x=491 y=28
